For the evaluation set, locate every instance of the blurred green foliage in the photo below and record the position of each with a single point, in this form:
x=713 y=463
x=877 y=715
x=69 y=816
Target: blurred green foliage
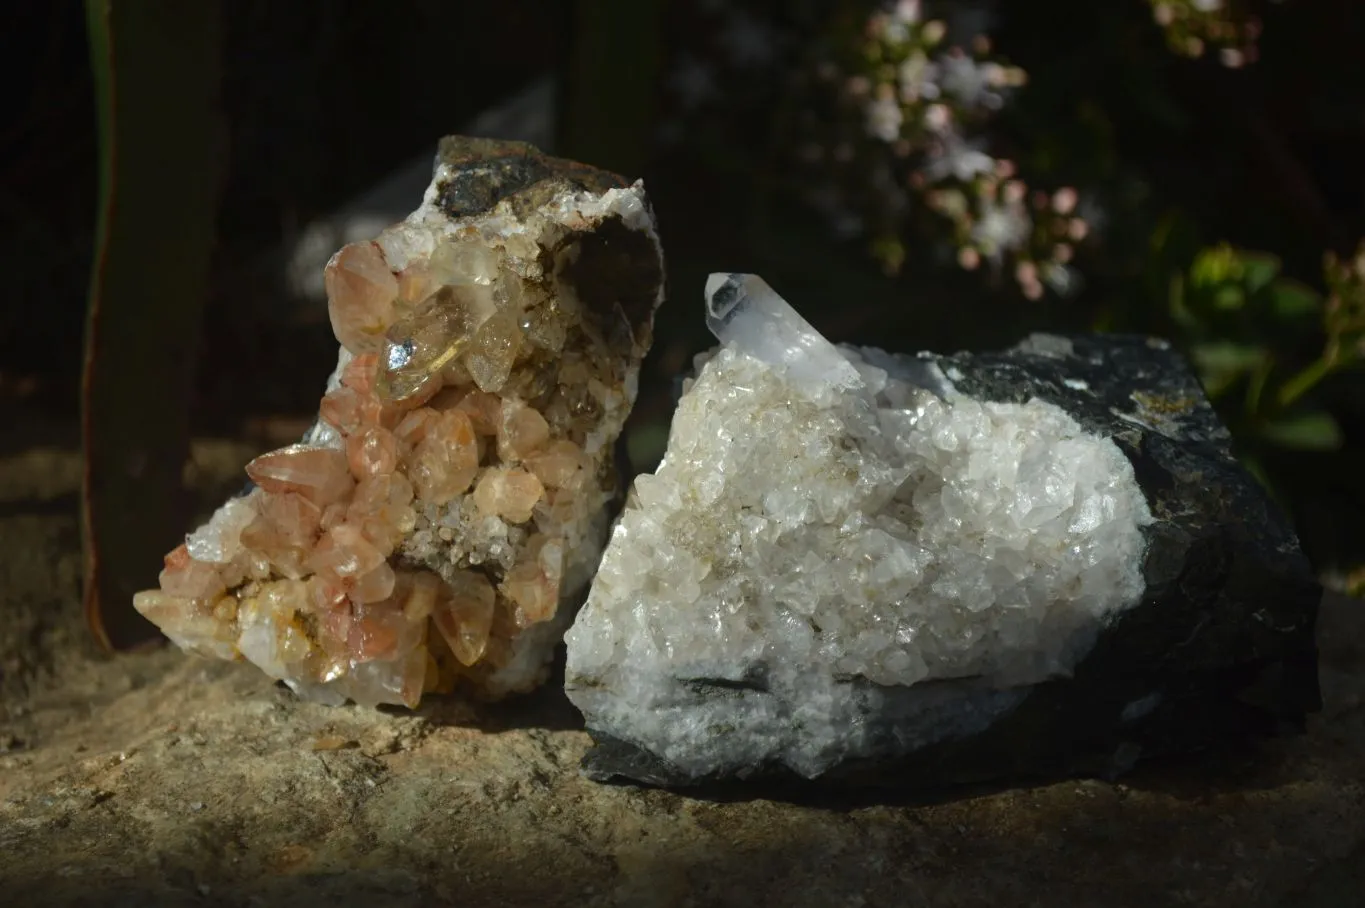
x=1246 y=327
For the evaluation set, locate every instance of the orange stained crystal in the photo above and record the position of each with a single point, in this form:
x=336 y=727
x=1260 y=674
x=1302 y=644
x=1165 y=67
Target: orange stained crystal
x=412 y=428
x=557 y=466
x=372 y=452
x=484 y=411
x=382 y=508
x=375 y=585
x=361 y=291
x=533 y=584
x=424 y=591
x=522 y=431
x=319 y=474
x=446 y=459
x=186 y=578
x=429 y=407
x=359 y=374
x=344 y=556
x=464 y=616
x=416 y=283
x=382 y=630
x=508 y=493
x=349 y=409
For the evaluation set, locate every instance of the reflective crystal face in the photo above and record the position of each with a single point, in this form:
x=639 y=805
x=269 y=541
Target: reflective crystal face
x=747 y=315
x=430 y=335
x=432 y=527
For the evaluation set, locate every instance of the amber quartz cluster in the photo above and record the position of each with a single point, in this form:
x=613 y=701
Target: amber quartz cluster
x=436 y=527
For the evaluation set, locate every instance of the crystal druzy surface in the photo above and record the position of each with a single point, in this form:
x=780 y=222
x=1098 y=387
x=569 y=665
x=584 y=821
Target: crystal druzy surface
x=848 y=556
x=434 y=527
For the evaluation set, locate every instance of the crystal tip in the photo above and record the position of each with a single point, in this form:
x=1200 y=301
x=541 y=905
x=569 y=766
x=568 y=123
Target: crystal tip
x=725 y=291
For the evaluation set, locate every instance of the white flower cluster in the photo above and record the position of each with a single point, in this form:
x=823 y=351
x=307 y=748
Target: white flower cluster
x=929 y=103
x=1193 y=27
x=886 y=132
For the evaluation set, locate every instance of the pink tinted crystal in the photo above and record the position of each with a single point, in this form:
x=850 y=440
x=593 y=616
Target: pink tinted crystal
x=360 y=296
x=319 y=474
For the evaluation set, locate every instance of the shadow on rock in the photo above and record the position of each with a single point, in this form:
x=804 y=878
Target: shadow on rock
x=570 y=843
x=1253 y=765
x=545 y=708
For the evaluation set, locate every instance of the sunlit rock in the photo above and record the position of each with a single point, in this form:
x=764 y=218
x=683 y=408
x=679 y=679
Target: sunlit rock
x=436 y=527
x=919 y=569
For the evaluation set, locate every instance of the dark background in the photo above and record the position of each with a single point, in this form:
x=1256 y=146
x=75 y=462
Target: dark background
x=321 y=99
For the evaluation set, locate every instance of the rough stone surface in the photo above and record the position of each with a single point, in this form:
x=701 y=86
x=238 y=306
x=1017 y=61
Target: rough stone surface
x=160 y=780
x=935 y=569
x=437 y=526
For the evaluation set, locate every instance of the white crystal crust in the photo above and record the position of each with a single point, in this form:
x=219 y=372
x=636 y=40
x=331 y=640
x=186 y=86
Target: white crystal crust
x=797 y=563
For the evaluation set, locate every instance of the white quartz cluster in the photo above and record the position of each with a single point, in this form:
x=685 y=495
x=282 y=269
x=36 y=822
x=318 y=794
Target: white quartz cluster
x=808 y=549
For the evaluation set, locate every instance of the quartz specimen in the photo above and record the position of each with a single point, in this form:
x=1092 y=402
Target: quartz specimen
x=916 y=570
x=435 y=526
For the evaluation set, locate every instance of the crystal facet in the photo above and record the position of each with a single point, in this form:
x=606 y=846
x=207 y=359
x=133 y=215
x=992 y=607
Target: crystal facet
x=747 y=315
x=361 y=291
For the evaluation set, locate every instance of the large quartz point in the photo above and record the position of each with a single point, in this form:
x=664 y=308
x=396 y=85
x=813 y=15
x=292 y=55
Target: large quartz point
x=436 y=525
x=919 y=570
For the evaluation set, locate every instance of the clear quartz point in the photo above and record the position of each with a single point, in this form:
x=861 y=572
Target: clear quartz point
x=746 y=314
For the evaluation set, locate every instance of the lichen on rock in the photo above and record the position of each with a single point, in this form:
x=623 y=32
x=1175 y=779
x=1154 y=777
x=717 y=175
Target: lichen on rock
x=435 y=527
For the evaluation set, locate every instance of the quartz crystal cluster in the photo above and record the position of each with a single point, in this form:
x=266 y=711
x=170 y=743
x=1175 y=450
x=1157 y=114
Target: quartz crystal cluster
x=434 y=527
x=849 y=556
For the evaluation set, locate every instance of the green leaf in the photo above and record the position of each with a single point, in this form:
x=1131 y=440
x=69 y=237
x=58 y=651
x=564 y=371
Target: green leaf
x=1229 y=297
x=1176 y=296
x=1221 y=363
x=1314 y=431
x=1253 y=465
x=1290 y=300
x=1214 y=266
x=1258 y=269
